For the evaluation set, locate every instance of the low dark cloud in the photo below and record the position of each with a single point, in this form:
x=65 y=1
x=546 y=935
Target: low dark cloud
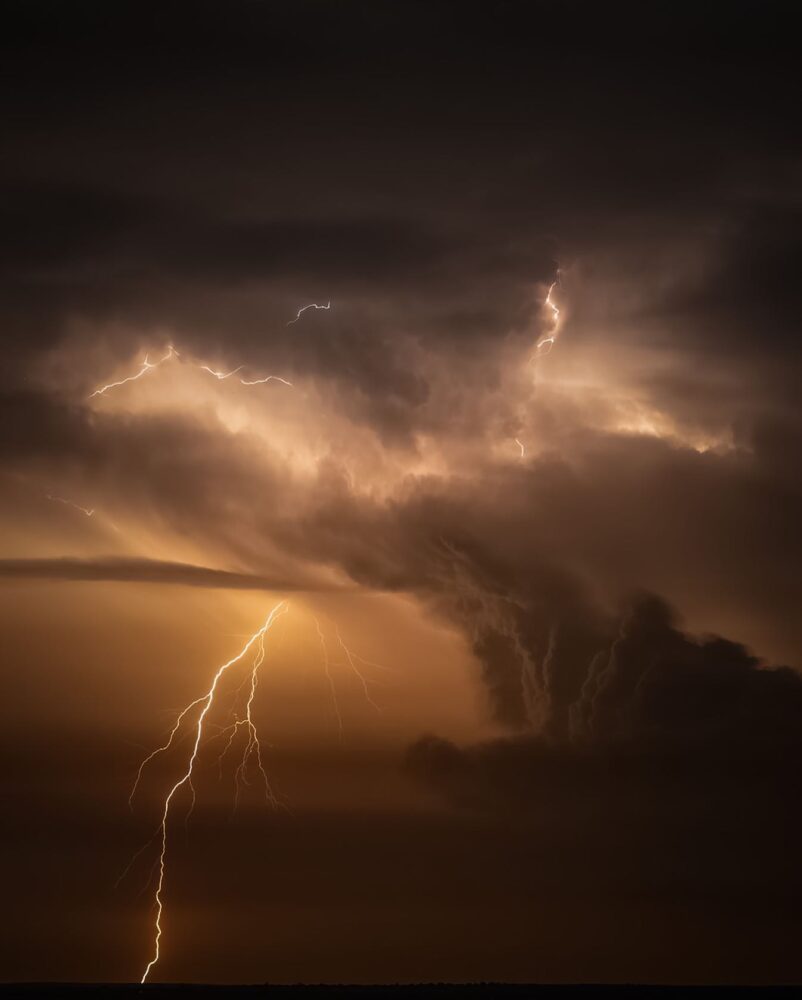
x=673 y=782
x=127 y=570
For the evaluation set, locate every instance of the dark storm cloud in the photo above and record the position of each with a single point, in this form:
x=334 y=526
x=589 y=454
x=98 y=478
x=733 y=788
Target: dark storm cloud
x=674 y=782
x=531 y=560
x=513 y=553
x=431 y=164
x=425 y=169
x=122 y=570
x=426 y=166
x=500 y=899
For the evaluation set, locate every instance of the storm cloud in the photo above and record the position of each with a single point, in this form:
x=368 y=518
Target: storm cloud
x=194 y=178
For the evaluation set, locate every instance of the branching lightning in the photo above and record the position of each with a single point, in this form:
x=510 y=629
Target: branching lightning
x=147 y=366
x=243 y=381
x=302 y=310
x=252 y=750
x=251 y=753
x=351 y=658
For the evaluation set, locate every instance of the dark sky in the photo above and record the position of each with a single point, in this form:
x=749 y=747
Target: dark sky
x=538 y=462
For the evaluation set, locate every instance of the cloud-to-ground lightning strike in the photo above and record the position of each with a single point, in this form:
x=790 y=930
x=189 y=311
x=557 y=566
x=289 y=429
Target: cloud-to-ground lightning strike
x=252 y=749
x=302 y=310
x=70 y=503
x=147 y=366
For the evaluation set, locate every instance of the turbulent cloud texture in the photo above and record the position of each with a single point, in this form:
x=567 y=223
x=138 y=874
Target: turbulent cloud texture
x=432 y=169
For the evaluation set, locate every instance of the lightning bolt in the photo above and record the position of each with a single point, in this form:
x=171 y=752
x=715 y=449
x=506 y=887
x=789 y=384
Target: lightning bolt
x=523 y=450
x=147 y=366
x=243 y=381
x=69 y=503
x=252 y=750
x=555 y=312
x=351 y=658
x=302 y=310
x=220 y=375
x=268 y=378
x=545 y=344
x=253 y=747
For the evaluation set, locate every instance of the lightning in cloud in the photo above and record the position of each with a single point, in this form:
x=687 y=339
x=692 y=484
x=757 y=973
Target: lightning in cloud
x=520 y=445
x=550 y=303
x=221 y=375
x=545 y=344
x=147 y=366
x=302 y=310
x=268 y=378
x=253 y=751
x=70 y=503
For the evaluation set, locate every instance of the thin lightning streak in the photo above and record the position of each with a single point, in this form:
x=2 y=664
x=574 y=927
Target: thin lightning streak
x=329 y=678
x=161 y=749
x=269 y=378
x=351 y=657
x=253 y=746
x=302 y=310
x=370 y=663
x=545 y=344
x=221 y=375
x=554 y=310
x=147 y=366
x=258 y=381
x=137 y=855
x=206 y=700
x=69 y=503
x=523 y=450
x=234 y=728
